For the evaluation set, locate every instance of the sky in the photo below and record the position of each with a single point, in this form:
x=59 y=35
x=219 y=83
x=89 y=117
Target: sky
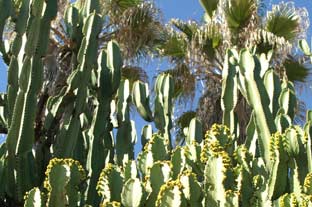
x=189 y=10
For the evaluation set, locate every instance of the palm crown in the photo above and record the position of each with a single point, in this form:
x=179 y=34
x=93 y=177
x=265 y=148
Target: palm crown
x=200 y=47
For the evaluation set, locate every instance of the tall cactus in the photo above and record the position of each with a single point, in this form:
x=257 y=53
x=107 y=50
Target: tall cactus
x=101 y=141
x=20 y=137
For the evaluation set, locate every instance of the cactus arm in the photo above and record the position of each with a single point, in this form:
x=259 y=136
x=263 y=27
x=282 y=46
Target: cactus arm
x=140 y=98
x=3 y=113
x=110 y=183
x=123 y=113
x=130 y=170
x=145 y=162
x=146 y=134
x=5 y=12
x=12 y=87
x=33 y=198
x=58 y=178
x=273 y=88
x=133 y=193
x=112 y=75
x=278 y=175
x=126 y=134
x=259 y=101
x=159 y=147
x=21 y=134
x=229 y=92
x=282 y=122
x=298 y=150
x=308 y=133
x=86 y=58
x=192 y=189
x=214 y=177
x=287 y=99
x=164 y=88
x=126 y=138
x=251 y=140
x=178 y=161
x=160 y=173
x=171 y=194
x=71 y=20
x=101 y=143
x=195 y=132
x=63 y=176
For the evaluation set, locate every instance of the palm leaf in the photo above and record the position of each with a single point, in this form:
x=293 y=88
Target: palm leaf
x=210 y=6
x=139 y=30
x=188 y=28
x=125 y=4
x=239 y=12
x=283 y=21
x=116 y=7
x=207 y=39
x=175 y=46
x=296 y=70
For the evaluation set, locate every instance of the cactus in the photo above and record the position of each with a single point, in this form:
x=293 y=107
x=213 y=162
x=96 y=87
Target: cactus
x=259 y=101
x=141 y=100
x=229 y=94
x=163 y=105
x=63 y=176
x=89 y=119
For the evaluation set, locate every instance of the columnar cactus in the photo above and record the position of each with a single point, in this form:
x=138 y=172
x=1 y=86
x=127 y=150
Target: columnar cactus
x=272 y=168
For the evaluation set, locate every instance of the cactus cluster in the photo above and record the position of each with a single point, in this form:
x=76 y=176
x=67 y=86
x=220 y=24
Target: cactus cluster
x=81 y=151
x=272 y=167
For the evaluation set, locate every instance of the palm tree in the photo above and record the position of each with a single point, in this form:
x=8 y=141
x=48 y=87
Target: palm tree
x=124 y=21
x=200 y=47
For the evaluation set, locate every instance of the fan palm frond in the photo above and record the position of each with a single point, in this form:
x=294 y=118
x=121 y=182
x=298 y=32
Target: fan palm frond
x=139 y=29
x=208 y=38
x=296 y=69
x=175 y=46
x=188 y=28
x=284 y=21
x=239 y=12
x=210 y=6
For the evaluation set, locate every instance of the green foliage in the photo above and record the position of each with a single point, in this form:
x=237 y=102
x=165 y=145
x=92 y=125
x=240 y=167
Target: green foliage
x=89 y=120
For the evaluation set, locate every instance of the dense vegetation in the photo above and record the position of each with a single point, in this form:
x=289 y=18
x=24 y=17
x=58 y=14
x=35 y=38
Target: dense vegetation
x=70 y=137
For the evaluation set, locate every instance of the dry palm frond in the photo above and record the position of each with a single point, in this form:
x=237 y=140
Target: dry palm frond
x=207 y=39
x=138 y=30
x=266 y=41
